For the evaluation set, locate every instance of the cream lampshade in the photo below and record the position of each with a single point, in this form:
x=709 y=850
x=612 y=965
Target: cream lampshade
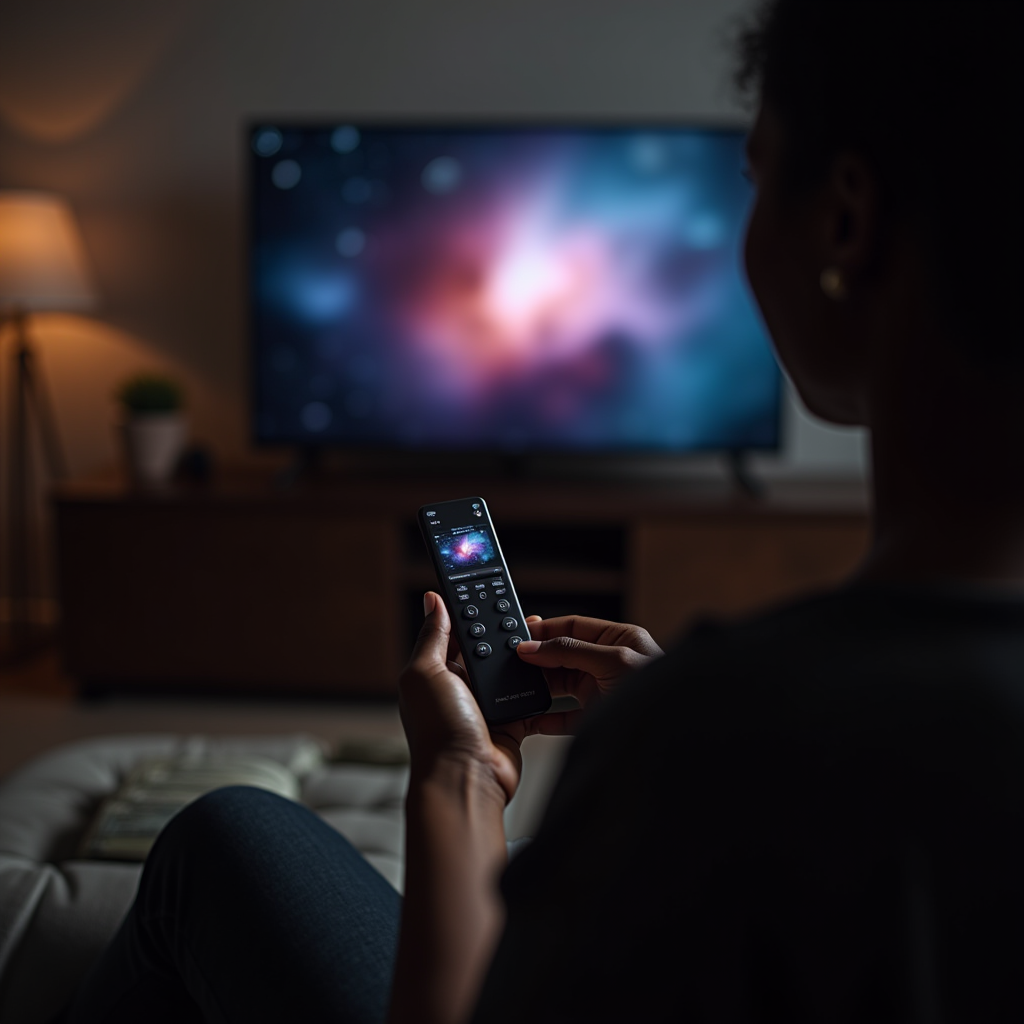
x=42 y=263
x=42 y=268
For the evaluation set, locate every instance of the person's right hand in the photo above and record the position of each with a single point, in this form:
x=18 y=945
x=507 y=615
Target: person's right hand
x=584 y=658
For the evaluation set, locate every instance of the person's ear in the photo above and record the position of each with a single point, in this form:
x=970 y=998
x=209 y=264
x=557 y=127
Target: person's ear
x=850 y=226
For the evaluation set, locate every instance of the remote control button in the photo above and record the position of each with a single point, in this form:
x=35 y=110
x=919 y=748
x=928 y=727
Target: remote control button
x=477 y=629
x=479 y=586
x=509 y=623
x=481 y=596
x=463 y=597
x=461 y=588
x=497 y=583
x=499 y=590
x=482 y=650
x=514 y=641
x=502 y=605
x=470 y=611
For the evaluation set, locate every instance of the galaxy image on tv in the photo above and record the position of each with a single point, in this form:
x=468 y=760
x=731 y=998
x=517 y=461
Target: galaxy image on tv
x=505 y=288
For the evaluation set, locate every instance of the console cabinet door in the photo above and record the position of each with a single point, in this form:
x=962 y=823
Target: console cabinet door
x=684 y=568
x=214 y=595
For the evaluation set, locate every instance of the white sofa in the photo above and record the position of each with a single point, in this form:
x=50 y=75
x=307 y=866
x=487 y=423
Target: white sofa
x=57 y=912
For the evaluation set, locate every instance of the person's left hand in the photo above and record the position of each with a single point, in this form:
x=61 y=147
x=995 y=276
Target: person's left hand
x=441 y=718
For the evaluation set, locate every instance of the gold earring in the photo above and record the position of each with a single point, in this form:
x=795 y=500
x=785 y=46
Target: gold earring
x=833 y=284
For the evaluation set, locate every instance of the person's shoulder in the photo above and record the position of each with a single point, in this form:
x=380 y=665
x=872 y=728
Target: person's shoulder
x=859 y=622
x=860 y=645
x=863 y=614
x=842 y=699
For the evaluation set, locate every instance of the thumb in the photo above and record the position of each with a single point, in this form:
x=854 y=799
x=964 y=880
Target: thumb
x=431 y=648
x=568 y=652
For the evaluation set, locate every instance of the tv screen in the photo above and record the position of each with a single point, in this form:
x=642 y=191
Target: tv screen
x=505 y=288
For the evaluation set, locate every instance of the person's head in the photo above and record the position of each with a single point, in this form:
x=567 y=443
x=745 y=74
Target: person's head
x=887 y=155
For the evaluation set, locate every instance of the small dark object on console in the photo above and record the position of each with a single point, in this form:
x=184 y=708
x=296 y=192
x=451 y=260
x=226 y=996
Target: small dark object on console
x=195 y=465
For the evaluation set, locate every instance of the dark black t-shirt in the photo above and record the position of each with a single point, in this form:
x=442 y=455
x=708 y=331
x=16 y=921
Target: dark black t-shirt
x=816 y=815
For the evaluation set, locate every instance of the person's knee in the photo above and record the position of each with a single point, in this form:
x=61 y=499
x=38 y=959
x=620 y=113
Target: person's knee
x=213 y=821
x=230 y=804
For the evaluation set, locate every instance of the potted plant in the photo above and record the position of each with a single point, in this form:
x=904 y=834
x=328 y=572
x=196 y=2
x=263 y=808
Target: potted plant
x=153 y=428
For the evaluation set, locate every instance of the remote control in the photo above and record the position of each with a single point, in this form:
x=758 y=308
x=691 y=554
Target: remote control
x=487 y=619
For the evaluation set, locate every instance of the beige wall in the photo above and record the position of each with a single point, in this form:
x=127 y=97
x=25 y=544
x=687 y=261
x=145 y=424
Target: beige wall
x=134 y=110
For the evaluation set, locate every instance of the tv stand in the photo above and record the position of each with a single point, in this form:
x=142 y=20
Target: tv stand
x=306 y=464
x=512 y=467
x=244 y=585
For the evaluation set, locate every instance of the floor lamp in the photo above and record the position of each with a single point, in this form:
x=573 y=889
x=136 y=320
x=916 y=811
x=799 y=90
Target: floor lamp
x=42 y=268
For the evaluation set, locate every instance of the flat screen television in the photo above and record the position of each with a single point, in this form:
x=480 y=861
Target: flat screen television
x=504 y=288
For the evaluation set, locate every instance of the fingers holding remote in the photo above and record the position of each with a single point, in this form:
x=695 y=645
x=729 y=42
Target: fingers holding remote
x=601 y=632
x=586 y=657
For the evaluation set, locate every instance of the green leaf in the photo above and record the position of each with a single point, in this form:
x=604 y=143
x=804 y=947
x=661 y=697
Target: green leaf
x=150 y=393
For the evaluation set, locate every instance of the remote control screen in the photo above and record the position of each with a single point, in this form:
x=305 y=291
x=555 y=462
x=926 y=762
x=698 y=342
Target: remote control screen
x=463 y=546
x=470 y=547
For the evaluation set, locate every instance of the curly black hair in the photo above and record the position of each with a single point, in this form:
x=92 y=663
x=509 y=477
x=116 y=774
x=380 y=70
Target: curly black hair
x=931 y=95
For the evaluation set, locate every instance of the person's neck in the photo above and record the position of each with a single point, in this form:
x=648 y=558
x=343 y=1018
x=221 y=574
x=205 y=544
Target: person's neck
x=948 y=468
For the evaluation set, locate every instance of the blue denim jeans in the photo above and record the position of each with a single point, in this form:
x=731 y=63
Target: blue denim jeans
x=250 y=908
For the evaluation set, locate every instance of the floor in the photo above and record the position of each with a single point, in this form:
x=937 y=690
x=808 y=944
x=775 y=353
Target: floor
x=40 y=709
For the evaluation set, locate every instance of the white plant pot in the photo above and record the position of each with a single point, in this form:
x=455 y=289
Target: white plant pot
x=153 y=444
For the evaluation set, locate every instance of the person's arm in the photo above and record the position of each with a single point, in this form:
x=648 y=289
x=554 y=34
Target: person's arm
x=452 y=914
x=461 y=778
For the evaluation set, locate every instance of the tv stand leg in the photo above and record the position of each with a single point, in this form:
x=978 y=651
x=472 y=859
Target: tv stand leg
x=744 y=480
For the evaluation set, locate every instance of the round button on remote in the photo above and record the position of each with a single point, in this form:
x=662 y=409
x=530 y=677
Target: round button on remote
x=502 y=605
x=470 y=611
x=514 y=641
x=477 y=629
x=509 y=623
x=481 y=595
x=482 y=650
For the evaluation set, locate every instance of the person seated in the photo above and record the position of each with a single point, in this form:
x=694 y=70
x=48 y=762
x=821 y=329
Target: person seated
x=813 y=813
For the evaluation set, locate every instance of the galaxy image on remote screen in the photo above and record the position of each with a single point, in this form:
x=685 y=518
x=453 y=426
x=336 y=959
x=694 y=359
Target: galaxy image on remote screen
x=509 y=288
x=465 y=550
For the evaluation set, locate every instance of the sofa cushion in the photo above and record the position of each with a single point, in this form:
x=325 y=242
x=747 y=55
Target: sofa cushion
x=62 y=919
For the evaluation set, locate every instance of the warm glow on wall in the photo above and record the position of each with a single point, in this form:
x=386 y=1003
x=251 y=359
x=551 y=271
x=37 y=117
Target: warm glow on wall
x=86 y=360
x=66 y=68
